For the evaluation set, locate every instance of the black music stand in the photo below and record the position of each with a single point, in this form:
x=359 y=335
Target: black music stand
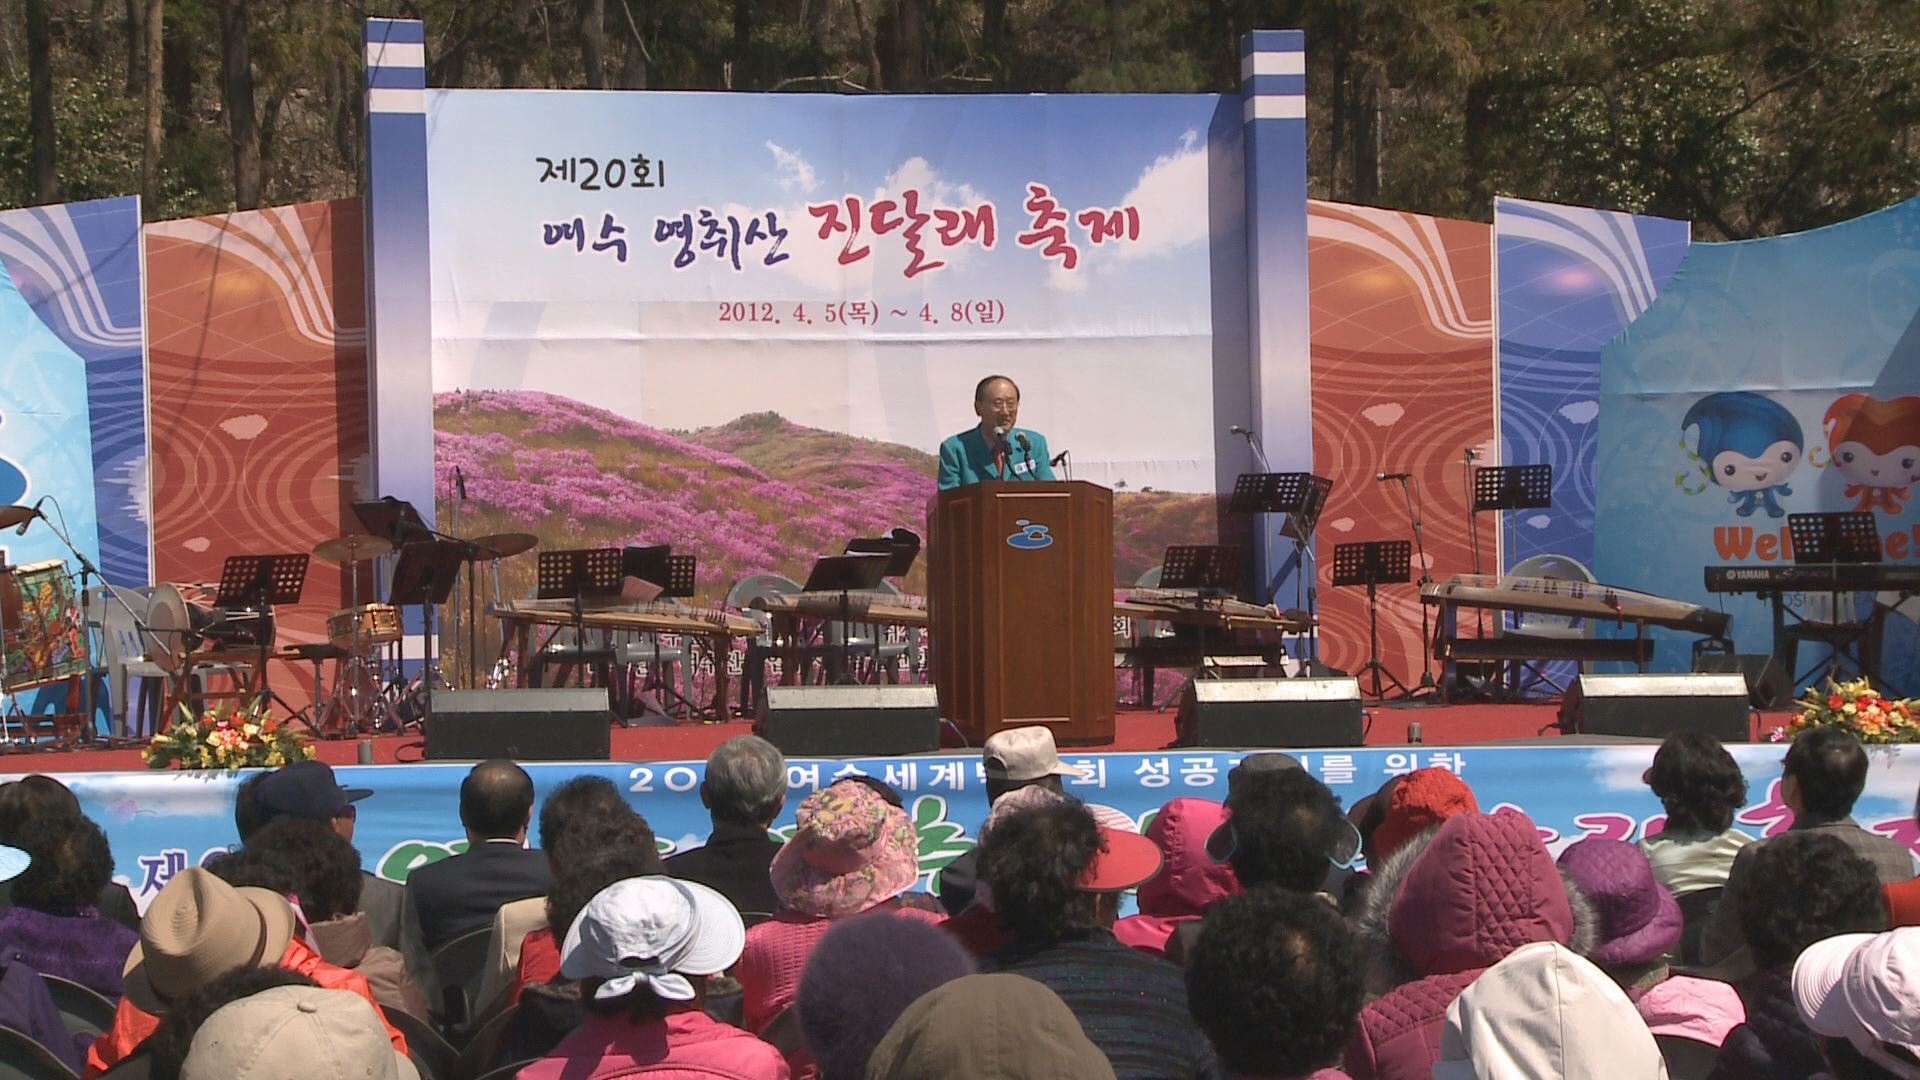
x=901 y=546
x=1212 y=571
x=675 y=576
x=1850 y=537
x=846 y=574
x=578 y=574
x=424 y=574
x=1505 y=487
x=257 y=583
x=1374 y=563
x=1301 y=496
x=392 y=519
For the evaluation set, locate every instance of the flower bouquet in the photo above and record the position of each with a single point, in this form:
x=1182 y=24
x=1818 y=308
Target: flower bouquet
x=1857 y=707
x=238 y=739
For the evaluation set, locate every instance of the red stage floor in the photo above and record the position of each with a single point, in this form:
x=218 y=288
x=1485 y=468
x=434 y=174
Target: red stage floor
x=1134 y=730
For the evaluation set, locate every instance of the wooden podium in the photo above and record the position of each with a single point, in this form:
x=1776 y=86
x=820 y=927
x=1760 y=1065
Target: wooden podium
x=1020 y=592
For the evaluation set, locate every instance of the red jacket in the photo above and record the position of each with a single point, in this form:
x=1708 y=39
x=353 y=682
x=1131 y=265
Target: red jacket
x=131 y=1026
x=1188 y=880
x=686 y=1044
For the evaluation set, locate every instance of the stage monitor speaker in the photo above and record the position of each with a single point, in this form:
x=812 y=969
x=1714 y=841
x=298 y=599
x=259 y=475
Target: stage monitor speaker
x=554 y=724
x=1767 y=684
x=852 y=721
x=1270 y=712
x=1655 y=706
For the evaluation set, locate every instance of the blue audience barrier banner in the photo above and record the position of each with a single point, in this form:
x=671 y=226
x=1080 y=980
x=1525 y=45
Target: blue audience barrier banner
x=162 y=822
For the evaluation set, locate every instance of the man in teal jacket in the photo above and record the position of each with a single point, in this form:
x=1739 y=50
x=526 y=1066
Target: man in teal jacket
x=994 y=449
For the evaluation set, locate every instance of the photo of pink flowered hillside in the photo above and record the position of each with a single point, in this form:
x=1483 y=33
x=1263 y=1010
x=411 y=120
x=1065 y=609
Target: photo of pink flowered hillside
x=759 y=494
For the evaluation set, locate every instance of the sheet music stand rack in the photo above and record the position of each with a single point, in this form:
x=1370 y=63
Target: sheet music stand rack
x=1374 y=563
x=1212 y=571
x=675 y=574
x=1507 y=487
x=901 y=546
x=846 y=574
x=257 y=583
x=1301 y=496
x=1834 y=539
x=578 y=574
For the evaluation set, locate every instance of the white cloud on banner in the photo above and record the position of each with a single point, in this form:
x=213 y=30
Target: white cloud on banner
x=796 y=173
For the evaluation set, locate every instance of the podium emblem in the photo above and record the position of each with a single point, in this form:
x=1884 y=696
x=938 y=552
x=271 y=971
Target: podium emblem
x=1031 y=537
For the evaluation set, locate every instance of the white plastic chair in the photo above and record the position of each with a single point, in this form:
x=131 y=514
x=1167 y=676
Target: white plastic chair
x=122 y=653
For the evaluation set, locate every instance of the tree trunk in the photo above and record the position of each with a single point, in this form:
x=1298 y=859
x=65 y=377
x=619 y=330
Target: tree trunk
x=993 y=30
x=1365 y=123
x=40 y=97
x=236 y=99
x=742 y=36
x=150 y=146
x=869 y=43
x=136 y=47
x=592 y=22
x=1479 y=124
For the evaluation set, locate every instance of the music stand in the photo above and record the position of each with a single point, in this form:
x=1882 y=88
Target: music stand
x=1850 y=537
x=393 y=519
x=1374 y=563
x=577 y=574
x=258 y=582
x=658 y=565
x=1212 y=571
x=901 y=546
x=1301 y=496
x=846 y=574
x=424 y=574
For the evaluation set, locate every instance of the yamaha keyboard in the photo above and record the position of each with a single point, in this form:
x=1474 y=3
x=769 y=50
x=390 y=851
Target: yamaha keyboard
x=1814 y=577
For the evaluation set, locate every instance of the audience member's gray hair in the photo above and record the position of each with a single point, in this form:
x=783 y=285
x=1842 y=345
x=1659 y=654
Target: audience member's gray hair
x=746 y=781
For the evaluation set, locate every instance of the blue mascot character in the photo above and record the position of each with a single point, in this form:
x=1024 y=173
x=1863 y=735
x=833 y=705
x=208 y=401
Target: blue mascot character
x=1748 y=445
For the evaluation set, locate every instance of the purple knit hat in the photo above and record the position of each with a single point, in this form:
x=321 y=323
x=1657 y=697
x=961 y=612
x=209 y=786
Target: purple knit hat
x=859 y=979
x=1639 y=919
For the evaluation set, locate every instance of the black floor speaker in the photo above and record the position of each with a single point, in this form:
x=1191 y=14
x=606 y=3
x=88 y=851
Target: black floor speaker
x=1767 y=684
x=851 y=721
x=1655 y=706
x=556 y=724
x=1270 y=712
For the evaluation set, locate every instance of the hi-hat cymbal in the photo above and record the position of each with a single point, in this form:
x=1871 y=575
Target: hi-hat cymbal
x=353 y=547
x=506 y=545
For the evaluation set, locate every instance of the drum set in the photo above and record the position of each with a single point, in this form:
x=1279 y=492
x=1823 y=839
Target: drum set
x=369 y=690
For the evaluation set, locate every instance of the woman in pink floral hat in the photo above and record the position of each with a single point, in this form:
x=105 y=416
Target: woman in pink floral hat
x=852 y=854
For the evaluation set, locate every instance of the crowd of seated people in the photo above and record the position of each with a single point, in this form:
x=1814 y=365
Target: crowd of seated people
x=1262 y=945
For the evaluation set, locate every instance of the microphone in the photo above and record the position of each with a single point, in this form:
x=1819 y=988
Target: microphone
x=460 y=482
x=1000 y=431
x=1392 y=476
x=1059 y=459
x=1236 y=429
x=1025 y=446
x=37 y=504
x=1472 y=453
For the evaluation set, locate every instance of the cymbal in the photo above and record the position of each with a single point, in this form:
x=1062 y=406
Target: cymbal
x=506 y=545
x=353 y=547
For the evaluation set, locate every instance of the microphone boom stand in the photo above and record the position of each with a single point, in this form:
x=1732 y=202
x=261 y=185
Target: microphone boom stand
x=1427 y=685
x=89 y=570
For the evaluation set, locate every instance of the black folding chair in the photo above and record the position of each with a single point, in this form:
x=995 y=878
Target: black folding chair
x=23 y=1059
x=83 y=1009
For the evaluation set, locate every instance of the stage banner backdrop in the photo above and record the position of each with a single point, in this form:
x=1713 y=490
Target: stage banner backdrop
x=162 y=822
x=1570 y=279
x=73 y=421
x=259 y=398
x=742 y=324
x=1771 y=377
x=1402 y=383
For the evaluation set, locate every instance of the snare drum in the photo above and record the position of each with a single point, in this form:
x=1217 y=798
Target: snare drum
x=369 y=624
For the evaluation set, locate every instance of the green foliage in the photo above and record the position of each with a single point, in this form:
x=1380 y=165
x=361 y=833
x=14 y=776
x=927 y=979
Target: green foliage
x=1750 y=117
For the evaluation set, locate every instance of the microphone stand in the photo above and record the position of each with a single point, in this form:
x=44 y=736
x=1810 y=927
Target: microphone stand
x=1426 y=639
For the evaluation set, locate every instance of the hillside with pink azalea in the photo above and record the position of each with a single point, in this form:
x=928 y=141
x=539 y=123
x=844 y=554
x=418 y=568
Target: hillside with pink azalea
x=756 y=495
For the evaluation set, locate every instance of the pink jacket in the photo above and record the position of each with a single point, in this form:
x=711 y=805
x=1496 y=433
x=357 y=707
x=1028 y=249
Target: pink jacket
x=686 y=1044
x=1483 y=887
x=1188 y=881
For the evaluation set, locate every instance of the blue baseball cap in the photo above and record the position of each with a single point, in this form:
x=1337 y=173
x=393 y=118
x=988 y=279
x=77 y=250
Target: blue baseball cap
x=304 y=789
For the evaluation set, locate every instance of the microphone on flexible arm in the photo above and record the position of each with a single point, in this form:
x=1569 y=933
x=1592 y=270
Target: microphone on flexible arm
x=1058 y=460
x=1236 y=429
x=1472 y=453
x=1392 y=476
x=1025 y=446
x=37 y=504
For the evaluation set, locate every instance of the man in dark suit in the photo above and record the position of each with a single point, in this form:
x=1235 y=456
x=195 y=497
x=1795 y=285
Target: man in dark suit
x=1824 y=773
x=461 y=894
x=744 y=789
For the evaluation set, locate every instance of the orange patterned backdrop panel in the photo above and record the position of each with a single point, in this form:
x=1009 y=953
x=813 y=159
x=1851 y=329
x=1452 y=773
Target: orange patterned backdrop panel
x=1403 y=381
x=257 y=357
